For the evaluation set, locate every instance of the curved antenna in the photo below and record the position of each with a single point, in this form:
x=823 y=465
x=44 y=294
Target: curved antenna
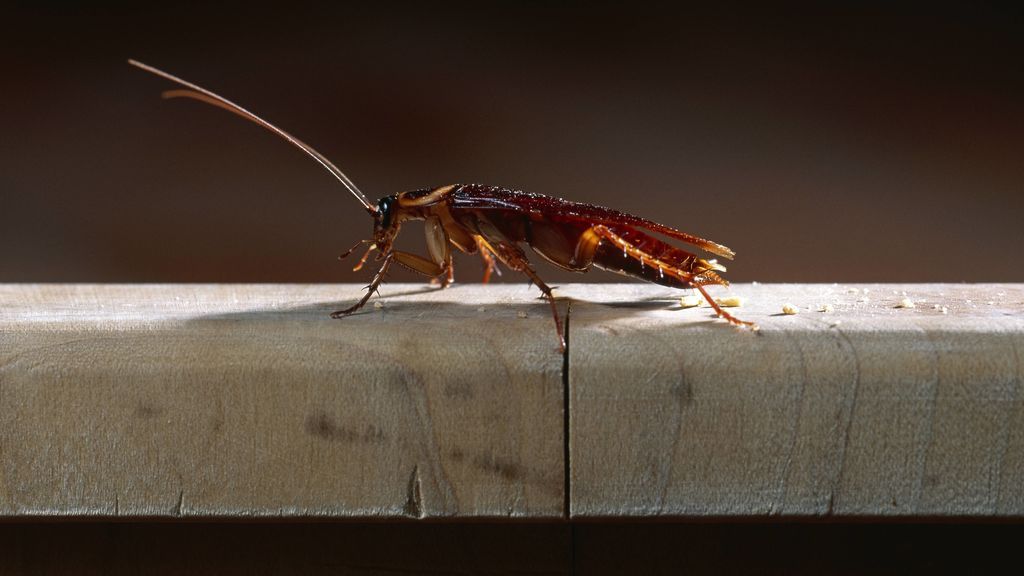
x=204 y=95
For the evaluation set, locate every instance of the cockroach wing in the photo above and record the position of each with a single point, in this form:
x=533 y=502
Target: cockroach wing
x=481 y=197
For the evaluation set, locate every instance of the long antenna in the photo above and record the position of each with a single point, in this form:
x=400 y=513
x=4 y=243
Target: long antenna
x=204 y=95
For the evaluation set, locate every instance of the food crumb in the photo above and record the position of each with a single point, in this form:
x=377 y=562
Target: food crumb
x=481 y=309
x=730 y=301
x=826 y=308
x=790 y=309
x=690 y=301
x=906 y=303
x=378 y=304
x=522 y=314
x=852 y=291
x=945 y=310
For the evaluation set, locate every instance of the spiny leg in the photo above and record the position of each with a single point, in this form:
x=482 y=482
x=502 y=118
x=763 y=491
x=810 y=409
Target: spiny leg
x=514 y=258
x=722 y=313
x=388 y=258
x=704 y=276
x=410 y=261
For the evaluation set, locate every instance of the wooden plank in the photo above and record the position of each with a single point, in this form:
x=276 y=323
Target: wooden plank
x=867 y=410
x=239 y=401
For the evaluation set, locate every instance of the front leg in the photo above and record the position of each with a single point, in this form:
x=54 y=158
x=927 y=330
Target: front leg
x=388 y=259
x=410 y=261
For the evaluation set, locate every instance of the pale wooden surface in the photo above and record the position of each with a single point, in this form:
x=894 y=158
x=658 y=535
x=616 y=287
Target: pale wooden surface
x=865 y=410
x=204 y=400
x=233 y=401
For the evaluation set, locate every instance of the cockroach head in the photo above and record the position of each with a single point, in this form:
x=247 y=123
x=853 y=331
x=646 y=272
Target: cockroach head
x=382 y=218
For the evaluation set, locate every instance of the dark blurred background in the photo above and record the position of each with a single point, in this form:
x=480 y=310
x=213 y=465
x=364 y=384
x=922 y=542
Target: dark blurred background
x=823 y=142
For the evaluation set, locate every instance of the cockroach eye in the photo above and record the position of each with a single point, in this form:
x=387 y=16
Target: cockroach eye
x=384 y=209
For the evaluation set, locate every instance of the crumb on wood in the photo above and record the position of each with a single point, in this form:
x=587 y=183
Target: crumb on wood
x=906 y=303
x=790 y=309
x=521 y=314
x=691 y=301
x=730 y=301
x=826 y=308
x=378 y=304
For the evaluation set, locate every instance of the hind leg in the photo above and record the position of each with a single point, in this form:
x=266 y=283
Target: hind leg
x=682 y=266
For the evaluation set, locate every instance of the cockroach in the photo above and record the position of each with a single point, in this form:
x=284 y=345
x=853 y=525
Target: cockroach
x=492 y=221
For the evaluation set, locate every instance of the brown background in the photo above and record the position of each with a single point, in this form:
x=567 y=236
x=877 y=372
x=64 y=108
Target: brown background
x=870 y=143
x=867 y=143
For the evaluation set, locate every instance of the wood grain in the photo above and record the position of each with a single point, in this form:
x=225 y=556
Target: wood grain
x=867 y=410
x=236 y=401
x=245 y=401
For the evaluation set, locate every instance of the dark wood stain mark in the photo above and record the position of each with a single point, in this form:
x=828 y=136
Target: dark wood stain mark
x=146 y=411
x=506 y=469
x=322 y=426
x=458 y=391
x=683 y=393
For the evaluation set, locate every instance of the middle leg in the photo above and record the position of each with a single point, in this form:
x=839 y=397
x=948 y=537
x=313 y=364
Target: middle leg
x=513 y=257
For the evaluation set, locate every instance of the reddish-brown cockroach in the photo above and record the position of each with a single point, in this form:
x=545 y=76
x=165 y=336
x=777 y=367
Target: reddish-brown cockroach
x=493 y=221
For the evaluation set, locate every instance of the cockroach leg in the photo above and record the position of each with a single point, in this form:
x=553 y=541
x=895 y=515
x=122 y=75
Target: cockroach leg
x=447 y=278
x=551 y=300
x=419 y=264
x=514 y=258
x=487 y=255
x=388 y=258
x=449 y=275
x=701 y=272
x=722 y=313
